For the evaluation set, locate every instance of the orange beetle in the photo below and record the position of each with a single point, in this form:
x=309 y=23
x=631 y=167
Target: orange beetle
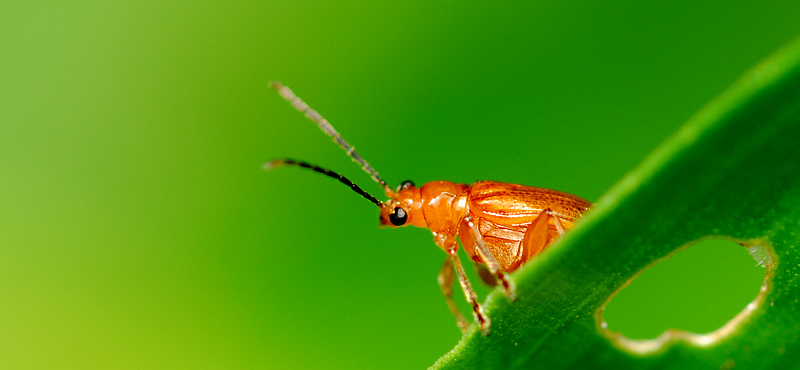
x=500 y=225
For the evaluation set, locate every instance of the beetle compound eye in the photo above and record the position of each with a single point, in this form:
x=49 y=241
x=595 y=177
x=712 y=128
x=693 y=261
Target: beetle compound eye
x=398 y=217
x=405 y=185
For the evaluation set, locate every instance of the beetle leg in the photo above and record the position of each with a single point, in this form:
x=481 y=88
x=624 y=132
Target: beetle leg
x=486 y=275
x=446 y=283
x=557 y=221
x=536 y=235
x=491 y=263
x=477 y=310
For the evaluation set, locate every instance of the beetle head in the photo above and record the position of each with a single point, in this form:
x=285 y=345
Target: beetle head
x=403 y=208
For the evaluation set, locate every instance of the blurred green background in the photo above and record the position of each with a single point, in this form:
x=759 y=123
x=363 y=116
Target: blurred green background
x=138 y=231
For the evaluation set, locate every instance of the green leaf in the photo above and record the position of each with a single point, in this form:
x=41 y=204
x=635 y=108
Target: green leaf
x=733 y=172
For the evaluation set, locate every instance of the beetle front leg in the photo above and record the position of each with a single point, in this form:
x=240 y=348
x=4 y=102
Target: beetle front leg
x=491 y=263
x=446 y=283
x=477 y=310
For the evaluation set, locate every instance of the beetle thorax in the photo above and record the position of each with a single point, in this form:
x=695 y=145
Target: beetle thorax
x=444 y=204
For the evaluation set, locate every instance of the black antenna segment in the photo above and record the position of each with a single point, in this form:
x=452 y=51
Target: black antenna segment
x=288 y=161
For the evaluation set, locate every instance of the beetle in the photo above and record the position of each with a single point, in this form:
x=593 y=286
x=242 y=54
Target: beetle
x=500 y=225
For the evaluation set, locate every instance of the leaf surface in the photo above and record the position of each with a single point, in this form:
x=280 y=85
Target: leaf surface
x=733 y=172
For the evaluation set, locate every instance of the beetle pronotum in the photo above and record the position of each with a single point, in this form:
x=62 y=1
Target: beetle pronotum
x=500 y=225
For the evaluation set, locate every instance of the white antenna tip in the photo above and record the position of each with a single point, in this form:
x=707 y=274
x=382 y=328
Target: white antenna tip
x=272 y=164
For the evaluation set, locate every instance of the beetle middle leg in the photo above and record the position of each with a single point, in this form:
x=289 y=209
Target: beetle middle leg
x=488 y=258
x=477 y=309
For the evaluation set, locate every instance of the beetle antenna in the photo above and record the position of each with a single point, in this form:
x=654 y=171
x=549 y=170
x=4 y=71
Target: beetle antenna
x=327 y=128
x=344 y=180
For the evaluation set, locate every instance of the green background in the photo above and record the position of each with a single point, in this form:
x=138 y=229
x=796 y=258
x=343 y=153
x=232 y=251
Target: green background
x=138 y=231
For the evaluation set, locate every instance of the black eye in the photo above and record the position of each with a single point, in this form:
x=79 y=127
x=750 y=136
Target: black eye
x=398 y=217
x=405 y=185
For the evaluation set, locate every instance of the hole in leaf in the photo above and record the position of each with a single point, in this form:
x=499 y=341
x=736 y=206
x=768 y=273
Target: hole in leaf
x=697 y=290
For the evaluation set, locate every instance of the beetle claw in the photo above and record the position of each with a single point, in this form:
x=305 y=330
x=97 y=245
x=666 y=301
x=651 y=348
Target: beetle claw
x=481 y=318
x=485 y=324
x=511 y=291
